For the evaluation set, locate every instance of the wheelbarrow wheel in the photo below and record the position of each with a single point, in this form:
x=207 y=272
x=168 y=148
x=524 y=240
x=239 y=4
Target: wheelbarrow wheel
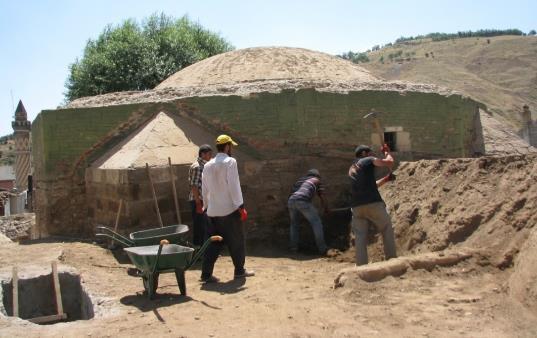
x=147 y=286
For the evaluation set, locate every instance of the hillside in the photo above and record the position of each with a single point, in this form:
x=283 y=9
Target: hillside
x=7 y=150
x=500 y=72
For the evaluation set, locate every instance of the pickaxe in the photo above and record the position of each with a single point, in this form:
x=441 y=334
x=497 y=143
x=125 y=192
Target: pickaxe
x=374 y=116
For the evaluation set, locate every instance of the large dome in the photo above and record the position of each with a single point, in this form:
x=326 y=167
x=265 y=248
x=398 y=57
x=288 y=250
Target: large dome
x=267 y=64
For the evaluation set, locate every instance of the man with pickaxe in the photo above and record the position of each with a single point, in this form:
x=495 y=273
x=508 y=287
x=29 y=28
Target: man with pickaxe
x=366 y=203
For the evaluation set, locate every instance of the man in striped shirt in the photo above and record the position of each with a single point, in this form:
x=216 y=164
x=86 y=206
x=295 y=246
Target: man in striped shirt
x=199 y=217
x=300 y=203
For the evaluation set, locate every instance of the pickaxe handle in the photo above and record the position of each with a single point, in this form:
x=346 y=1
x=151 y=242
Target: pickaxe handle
x=379 y=130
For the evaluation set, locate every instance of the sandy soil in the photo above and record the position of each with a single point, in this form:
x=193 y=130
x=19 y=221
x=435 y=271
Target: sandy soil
x=486 y=206
x=289 y=296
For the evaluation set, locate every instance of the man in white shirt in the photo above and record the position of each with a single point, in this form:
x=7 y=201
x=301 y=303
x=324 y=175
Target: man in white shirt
x=222 y=198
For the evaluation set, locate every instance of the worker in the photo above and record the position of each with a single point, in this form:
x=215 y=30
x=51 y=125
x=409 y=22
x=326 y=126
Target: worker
x=300 y=203
x=367 y=204
x=222 y=199
x=199 y=217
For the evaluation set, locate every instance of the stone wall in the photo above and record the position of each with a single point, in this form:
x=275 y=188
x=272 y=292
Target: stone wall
x=265 y=184
x=105 y=188
x=287 y=133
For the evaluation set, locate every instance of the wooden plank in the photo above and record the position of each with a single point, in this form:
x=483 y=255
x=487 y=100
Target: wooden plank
x=154 y=194
x=57 y=289
x=15 y=283
x=48 y=319
x=172 y=178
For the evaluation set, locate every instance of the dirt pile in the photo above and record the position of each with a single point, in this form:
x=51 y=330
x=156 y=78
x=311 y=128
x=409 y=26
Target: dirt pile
x=487 y=204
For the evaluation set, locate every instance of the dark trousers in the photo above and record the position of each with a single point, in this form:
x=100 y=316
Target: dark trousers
x=199 y=223
x=230 y=228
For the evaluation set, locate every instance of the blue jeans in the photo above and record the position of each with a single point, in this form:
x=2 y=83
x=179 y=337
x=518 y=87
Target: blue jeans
x=309 y=212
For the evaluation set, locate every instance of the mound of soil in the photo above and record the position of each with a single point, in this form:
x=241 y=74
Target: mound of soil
x=487 y=204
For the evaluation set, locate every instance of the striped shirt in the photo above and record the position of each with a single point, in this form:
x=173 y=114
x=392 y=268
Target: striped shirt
x=194 y=176
x=305 y=188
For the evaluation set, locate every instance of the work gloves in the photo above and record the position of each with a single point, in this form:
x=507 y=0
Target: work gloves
x=199 y=206
x=243 y=213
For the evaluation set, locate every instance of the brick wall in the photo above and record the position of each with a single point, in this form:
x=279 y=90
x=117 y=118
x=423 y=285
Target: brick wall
x=310 y=122
x=287 y=133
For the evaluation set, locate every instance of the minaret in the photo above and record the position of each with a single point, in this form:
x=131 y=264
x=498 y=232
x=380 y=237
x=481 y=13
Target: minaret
x=22 y=127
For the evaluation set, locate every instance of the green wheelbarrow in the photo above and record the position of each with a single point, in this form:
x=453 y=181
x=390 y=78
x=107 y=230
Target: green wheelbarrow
x=153 y=260
x=172 y=233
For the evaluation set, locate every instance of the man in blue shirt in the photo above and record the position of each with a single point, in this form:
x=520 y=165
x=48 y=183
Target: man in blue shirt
x=367 y=204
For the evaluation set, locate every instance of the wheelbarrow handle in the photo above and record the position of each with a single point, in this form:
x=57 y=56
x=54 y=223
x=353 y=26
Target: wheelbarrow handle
x=102 y=231
x=162 y=243
x=201 y=250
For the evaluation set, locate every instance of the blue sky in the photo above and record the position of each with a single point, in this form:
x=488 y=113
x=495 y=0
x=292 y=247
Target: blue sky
x=40 y=38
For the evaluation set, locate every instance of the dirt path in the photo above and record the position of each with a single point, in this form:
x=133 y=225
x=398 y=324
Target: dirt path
x=289 y=296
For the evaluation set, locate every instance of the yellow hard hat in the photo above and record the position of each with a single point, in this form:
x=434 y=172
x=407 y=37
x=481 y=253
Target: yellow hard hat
x=223 y=139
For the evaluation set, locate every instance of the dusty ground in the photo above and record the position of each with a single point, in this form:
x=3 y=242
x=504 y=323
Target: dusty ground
x=289 y=296
x=486 y=205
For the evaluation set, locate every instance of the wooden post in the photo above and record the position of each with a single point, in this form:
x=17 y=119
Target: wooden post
x=154 y=194
x=172 y=178
x=15 y=282
x=111 y=243
x=57 y=289
x=118 y=214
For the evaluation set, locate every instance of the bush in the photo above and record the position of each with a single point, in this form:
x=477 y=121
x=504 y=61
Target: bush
x=355 y=57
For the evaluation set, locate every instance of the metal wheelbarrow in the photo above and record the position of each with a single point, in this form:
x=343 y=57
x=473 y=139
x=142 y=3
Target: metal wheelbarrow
x=153 y=260
x=172 y=233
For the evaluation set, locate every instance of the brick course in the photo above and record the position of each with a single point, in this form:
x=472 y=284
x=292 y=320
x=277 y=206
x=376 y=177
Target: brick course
x=285 y=133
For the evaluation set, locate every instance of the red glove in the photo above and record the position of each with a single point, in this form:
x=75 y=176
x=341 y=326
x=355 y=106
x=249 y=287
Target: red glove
x=244 y=214
x=385 y=148
x=199 y=206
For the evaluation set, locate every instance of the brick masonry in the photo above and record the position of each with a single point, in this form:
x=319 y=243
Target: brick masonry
x=284 y=134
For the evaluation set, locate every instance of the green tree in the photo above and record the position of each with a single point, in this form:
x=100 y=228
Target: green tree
x=532 y=32
x=355 y=57
x=134 y=56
